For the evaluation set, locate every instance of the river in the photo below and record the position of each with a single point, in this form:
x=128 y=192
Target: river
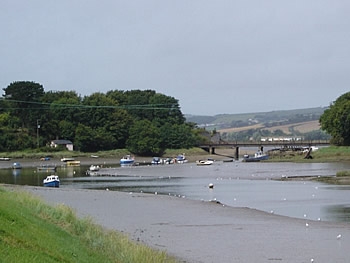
x=253 y=185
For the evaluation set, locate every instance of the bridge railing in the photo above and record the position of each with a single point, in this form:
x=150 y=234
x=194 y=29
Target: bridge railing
x=266 y=143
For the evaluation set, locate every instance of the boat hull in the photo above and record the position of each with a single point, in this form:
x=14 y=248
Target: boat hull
x=52 y=184
x=255 y=159
x=127 y=160
x=51 y=181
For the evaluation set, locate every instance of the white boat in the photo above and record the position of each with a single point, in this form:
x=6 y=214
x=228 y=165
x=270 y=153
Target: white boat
x=4 y=159
x=51 y=181
x=205 y=162
x=258 y=156
x=157 y=160
x=94 y=168
x=67 y=159
x=127 y=160
x=181 y=158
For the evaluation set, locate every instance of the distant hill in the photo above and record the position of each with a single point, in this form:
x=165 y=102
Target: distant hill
x=302 y=120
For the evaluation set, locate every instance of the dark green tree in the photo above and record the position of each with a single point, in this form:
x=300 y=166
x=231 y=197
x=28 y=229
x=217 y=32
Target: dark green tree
x=61 y=118
x=144 y=139
x=93 y=140
x=24 y=98
x=166 y=110
x=336 y=120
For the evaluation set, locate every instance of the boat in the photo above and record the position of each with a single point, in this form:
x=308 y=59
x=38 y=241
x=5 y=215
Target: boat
x=258 y=156
x=51 y=181
x=67 y=159
x=73 y=163
x=205 y=162
x=127 y=160
x=169 y=160
x=181 y=158
x=94 y=168
x=16 y=166
x=156 y=160
x=4 y=159
x=46 y=168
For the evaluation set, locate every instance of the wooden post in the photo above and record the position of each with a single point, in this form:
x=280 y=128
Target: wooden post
x=212 y=150
x=237 y=153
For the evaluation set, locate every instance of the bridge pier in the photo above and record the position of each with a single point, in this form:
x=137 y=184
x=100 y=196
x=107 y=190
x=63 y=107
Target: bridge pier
x=212 y=150
x=236 y=152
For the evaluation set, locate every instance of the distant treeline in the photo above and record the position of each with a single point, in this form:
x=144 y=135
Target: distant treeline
x=145 y=122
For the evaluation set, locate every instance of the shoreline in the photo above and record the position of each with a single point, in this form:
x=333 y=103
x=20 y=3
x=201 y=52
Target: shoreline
x=198 y=231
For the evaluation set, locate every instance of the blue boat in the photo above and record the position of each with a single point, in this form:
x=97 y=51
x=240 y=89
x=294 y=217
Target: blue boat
x=51 y=181
x=127 y=160
x=258 y=156
x=156 y=160
x=181 y=158
x=16 y=166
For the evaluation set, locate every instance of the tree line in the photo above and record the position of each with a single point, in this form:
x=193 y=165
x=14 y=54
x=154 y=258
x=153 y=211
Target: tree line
x=143 y=121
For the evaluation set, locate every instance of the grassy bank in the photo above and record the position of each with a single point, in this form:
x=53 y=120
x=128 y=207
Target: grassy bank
x=326 y=154
x=37 y=154
x=31 y=231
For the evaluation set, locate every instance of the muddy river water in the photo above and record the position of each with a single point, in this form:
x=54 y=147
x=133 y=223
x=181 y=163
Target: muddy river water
x=253 y=185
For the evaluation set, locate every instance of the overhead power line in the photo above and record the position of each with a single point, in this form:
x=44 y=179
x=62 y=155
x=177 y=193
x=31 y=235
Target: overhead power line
x=82 y=106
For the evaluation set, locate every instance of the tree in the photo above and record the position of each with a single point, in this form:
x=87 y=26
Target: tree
x=336 y=120
x=93 y=140
x=144 y=139
x=25 y=101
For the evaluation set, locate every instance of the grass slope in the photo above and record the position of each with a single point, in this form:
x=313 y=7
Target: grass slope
x=31 y=231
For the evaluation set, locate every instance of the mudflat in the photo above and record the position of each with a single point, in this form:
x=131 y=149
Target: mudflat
x=198 y=231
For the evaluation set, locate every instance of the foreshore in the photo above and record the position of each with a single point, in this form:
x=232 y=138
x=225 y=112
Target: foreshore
x=198 y=231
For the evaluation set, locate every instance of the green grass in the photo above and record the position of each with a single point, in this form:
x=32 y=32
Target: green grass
x=343 y=174
x=32 y=231
x=326 y=154
x=36 y=154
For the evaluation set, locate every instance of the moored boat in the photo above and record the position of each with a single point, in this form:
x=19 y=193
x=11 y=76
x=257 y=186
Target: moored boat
x=73 y=163
x=181 y=158
x=94 y=168
x=127 y=160
x=67 y=159
x=258 y=156
x=51 y=181
x=156 y=160
x=16 y=166
x=204 y=162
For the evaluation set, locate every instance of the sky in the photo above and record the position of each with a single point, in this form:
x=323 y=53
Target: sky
x=214 y=57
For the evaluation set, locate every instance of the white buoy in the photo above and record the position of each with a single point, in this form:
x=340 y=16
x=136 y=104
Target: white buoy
x=339 y=236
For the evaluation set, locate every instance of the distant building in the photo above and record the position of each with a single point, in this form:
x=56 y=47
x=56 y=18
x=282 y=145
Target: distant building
x=66 y=143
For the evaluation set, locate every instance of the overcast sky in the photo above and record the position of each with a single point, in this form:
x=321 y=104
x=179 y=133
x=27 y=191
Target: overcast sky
x=221 y=56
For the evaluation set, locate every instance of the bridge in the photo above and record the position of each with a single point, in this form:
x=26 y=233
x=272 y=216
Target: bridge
x=210 y=147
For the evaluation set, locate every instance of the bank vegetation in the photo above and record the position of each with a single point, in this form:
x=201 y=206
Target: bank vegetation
x=32 y=231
